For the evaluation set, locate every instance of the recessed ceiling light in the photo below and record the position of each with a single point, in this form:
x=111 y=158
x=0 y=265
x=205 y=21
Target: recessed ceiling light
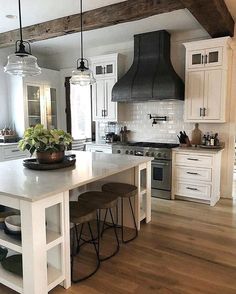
x=11 y=16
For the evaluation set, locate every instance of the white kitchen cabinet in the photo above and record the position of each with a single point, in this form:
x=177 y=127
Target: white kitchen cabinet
x=204 y=58
x=35 y=99
x=105 y=69
x=207 y=77
x=10 y=151
x=41 y=105
x=196 y=175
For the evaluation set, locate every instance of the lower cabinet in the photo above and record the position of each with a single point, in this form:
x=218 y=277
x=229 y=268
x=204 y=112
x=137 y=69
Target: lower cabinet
x=196 y=175
x=11 y=151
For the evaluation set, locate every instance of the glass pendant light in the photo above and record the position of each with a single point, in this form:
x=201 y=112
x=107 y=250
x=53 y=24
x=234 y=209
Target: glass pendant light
x=82 y=75
x=22 y=62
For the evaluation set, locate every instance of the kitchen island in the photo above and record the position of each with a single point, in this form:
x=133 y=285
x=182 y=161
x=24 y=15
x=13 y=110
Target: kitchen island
x=42 y=197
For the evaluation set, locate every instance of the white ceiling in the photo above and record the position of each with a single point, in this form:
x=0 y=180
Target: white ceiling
x=176 y=21
x=38 y=11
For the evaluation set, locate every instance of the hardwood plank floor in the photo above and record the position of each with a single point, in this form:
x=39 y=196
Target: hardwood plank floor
x=187 y=248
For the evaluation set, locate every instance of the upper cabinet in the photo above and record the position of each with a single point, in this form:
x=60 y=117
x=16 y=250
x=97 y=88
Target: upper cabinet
x=207 y=78
x=34 y=100
x=205 y=58
x=105 y=69
x=105 y=66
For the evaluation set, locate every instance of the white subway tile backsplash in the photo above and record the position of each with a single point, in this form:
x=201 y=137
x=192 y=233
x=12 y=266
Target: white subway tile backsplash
x=138 y=122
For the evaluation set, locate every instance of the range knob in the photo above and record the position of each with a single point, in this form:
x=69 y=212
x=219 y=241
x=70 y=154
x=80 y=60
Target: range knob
x=153 y=154
x=147 y=154
x=127 y=152
x=118 y=151
x=131 y=152
x=159 y=154
x=165 y=155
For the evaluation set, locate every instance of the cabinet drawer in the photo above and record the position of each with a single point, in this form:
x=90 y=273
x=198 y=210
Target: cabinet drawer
x=193 y=160
x=189 y=173
x=13 y=152
x=198 y=191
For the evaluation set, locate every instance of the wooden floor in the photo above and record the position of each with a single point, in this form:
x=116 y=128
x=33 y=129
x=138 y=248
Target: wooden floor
x=187 y=248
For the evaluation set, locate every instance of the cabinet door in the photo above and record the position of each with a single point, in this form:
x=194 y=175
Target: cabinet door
x=104 y=69
x=51 y=107
x=196 y=59
x=213 y=95
x=110 y=107
x=214 y=57
x=34 y=94
x=194 y=95
x=98 y=94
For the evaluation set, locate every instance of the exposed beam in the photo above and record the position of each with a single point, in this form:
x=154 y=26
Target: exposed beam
x=213 y=15
x=94 y=19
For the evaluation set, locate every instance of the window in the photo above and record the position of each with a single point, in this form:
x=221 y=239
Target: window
x=81 y=116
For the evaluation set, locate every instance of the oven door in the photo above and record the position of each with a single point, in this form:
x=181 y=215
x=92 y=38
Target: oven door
x=161 y=174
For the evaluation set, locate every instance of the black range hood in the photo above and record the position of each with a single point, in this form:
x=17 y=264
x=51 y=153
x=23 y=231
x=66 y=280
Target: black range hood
x=151 y=76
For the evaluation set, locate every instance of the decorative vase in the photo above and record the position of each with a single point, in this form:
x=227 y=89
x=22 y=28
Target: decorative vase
x=50 y=157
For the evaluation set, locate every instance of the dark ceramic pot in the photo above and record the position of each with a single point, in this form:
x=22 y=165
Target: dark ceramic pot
x=50 y=157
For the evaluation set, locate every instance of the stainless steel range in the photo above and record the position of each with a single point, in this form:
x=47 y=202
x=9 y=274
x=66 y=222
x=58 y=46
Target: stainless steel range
x=161 y=165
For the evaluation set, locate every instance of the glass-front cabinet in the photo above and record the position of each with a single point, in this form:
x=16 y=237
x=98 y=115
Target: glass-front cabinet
x=205 y=58
x=41 y=105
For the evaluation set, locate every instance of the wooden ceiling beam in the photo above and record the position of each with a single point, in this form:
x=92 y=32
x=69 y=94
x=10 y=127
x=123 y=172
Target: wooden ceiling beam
x=93 y=19
x=213 y=15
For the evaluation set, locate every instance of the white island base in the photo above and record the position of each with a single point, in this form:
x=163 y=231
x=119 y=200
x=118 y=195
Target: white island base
x=42 y=197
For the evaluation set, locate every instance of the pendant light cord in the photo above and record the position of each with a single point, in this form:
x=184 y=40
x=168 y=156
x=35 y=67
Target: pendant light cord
x=81 y=28
x=21 y=38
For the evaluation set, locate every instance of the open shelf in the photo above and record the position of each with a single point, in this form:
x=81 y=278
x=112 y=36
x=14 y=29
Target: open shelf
x=15 y=282
x=10 y=242
x=10 y=280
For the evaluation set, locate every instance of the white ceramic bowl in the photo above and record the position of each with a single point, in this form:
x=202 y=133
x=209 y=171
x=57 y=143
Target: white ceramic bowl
x=13 y=223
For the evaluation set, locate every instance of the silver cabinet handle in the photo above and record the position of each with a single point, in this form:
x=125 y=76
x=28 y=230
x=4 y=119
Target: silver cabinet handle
x=204 y=111
x=192 y=189
x=15 y=150
x=191 y=173
x=193 y=159
x=98 y=151
x=200 y=112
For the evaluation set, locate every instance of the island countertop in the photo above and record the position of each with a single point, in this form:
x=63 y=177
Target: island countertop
x=22 y=183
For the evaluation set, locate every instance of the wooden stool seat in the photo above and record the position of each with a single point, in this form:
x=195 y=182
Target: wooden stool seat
x=99 y=199
x=121 y=189
x=81 y=212
x=124 y=191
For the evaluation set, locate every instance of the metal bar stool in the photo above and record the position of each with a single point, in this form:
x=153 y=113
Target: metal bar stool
x=80 y=214
x=103 y=200
x=123 y=191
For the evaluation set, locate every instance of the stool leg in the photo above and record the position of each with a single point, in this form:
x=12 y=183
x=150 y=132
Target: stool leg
x=122 y=226
x=97 y=256
x=104 y=222
x=117 y=239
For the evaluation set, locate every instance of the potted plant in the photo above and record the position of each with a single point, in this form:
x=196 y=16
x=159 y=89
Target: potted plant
x=49 y=145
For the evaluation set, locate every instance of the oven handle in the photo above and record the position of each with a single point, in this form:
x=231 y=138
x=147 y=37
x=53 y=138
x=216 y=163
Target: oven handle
x=160 y=163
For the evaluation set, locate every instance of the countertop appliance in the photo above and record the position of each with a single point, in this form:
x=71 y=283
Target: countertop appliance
x=161 y=165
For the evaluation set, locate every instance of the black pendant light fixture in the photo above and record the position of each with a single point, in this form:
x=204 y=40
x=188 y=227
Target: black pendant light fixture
x=82 y=75
x=22 y=62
